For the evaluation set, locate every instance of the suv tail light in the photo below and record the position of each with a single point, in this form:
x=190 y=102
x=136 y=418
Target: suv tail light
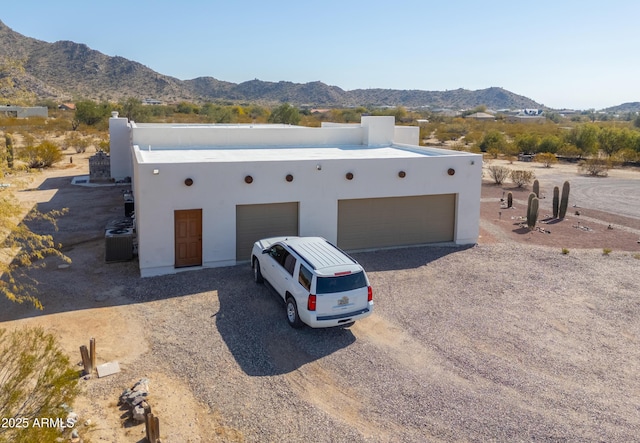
x=369 y=294
x=311 y=302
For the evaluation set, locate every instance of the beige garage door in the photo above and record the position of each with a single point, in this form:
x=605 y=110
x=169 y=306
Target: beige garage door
x=395 y=221
x=254 y=222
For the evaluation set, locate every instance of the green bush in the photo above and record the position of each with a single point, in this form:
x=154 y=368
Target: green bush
x=42 y=156
x=35 y=380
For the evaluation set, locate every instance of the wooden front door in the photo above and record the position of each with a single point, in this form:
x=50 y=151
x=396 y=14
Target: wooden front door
x=188 y=236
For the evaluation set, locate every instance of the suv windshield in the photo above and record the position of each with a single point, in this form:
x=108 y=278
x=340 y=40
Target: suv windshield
x=342 y=283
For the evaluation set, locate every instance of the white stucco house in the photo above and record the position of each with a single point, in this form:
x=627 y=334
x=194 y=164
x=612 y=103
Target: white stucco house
x=204 y=193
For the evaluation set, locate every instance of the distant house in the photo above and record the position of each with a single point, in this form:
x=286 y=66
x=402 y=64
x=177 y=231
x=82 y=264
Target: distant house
x=481 y=116
x=527 y=116
x=24 y=112
x=67 y=107
x=151 y=101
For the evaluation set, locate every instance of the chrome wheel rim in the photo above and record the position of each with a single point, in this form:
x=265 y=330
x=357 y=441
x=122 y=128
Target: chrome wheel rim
x=291 y=312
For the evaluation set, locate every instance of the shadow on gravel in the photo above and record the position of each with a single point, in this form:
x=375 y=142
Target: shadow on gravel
x=404 y=258
x=252 y=322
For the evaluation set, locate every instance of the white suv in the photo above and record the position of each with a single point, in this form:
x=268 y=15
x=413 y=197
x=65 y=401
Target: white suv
x=321 y=285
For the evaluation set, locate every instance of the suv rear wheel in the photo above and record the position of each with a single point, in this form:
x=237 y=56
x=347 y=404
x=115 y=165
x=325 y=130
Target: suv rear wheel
x=292 y=313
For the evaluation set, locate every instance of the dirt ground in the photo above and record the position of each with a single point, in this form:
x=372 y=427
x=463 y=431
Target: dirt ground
x=121 y=327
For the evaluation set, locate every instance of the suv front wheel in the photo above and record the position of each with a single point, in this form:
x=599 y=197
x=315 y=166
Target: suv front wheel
x=292 y=313
x=257 y=274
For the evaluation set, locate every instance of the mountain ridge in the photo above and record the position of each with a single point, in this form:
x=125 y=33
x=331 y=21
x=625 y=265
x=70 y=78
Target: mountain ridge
x=65 y=70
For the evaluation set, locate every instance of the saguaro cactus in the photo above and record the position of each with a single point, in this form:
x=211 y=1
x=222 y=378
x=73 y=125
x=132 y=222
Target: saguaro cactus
x=509 y=200
x=531 y=197
x=556 y=201
x=564 y=200
x=532 y=212
x=9 y=142
x=536 y=188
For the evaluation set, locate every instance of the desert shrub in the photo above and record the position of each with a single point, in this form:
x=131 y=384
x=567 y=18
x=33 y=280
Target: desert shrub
x=565 y=251
x=498 y=173
x=547 y=159
x=606 y=251
x=81 y=145
x=35 y=380
x=595 y=166
x=41 y=156
x=493 y=152
x=521 y=178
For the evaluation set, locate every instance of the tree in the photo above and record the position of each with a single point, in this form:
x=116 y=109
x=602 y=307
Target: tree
x=493 y=139
x=133 y=109
x=527 y=143
x=286 y=114
x=35 y=380
x=90 y=113
x=550 y=143
x=585 y=138
x=24 y=249
x=216 y=114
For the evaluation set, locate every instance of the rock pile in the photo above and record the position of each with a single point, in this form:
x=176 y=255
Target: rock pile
x=136 y=399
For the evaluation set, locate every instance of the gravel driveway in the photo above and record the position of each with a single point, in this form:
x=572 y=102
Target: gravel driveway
x=498 y=342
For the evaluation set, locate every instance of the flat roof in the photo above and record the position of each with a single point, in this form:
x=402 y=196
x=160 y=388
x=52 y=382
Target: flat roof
x=149 y=154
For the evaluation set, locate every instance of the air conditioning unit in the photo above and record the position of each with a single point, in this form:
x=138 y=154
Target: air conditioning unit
x=118 y=245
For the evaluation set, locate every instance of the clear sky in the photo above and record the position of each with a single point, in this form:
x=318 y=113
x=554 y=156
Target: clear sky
x=562 y=53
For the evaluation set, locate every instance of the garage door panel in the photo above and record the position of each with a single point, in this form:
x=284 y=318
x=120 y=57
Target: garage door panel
x=254 y=222
x=395 y=221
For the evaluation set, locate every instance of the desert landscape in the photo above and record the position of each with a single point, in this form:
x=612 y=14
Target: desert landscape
x=508 y=340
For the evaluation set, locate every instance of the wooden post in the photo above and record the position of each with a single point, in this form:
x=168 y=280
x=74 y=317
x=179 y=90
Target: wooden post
x=152 y=426
x=156 y=429
x=86 y=362
x=92 y=353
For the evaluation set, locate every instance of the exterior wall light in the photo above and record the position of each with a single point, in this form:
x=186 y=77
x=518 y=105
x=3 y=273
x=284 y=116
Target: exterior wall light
x=248 y=179
x=156 y=171
x=402 y=174
x=451 y=171
x=349 y=175
x=188 y=182
x=289 y=178
x=319 y=167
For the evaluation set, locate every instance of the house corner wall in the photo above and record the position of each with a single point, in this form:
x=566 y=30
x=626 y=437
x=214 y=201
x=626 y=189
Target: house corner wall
x=120 y=148
x=379 y=130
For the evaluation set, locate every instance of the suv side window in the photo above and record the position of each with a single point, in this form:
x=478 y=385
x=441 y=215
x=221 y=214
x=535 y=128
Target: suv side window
x=289 y=263
x=277 y=253
x=304 y=277
x=283 y=257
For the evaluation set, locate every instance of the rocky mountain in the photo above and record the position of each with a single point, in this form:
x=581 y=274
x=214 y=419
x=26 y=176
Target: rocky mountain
x=64 y=70
x=624 y=108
